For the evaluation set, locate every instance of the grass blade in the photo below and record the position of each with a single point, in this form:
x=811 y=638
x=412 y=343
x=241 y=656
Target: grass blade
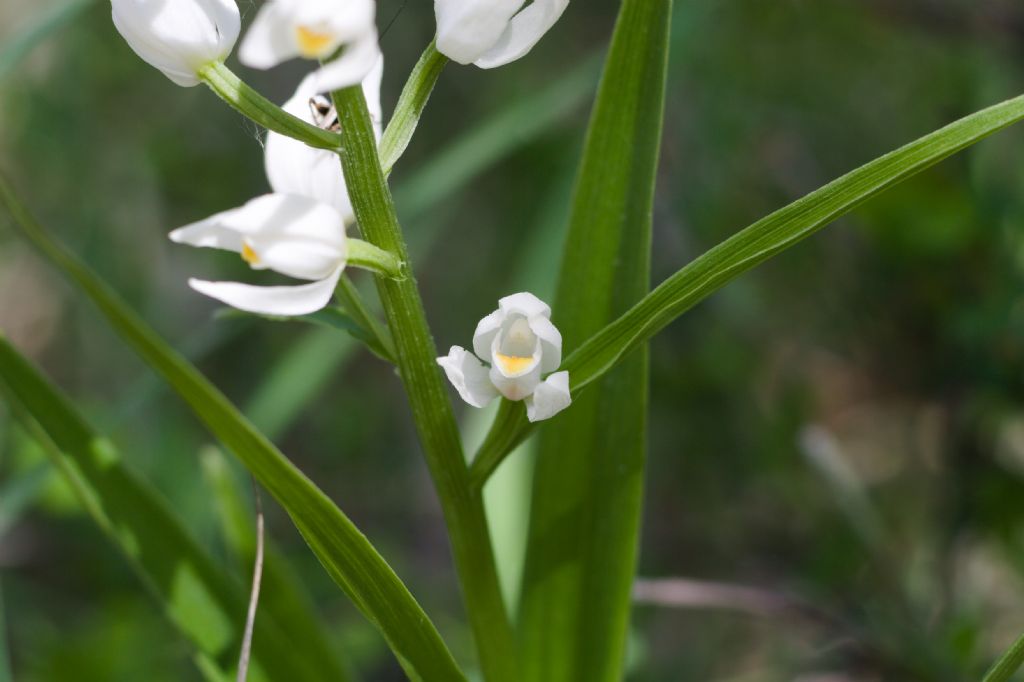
x=344 y=552
x=584 y=525
x=757 y=243
x=202 y=601
x=1008 y=663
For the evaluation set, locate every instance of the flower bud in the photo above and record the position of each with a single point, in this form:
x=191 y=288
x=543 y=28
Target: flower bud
x=178 y=37
x=491 y=33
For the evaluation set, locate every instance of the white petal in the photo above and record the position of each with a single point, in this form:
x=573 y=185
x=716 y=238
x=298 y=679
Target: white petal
x=293 y=167
x=178 y=37
x=469 y=377
x=486 y=330
x=298 y=256
x=523 y=32
x=354 y=64
x=549 y=398
x=518 y=385
x=280 y=300
x=270 y=215
x=269 y=40
x=466 y=29
x=371 y=90
x=214 y=232
x=525 y=303
x=551 y=342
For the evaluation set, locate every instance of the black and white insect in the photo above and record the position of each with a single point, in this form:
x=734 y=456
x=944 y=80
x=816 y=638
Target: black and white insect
x=325 y=116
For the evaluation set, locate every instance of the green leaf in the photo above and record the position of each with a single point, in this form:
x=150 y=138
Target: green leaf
x=587 y=486
x=200 y=599
x=344 y=552
x=411 y=104
x=1008 y=663
x=748 y=248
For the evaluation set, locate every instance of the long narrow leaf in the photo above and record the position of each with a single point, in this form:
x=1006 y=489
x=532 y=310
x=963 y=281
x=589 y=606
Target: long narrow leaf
x=205 y=605
x=585 y=520
x=748 y=248
x=345 y=553
x=1008 y=663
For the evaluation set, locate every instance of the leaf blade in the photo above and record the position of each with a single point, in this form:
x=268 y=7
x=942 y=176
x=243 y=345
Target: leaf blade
x=200 y=599
x=342 y=549
x=589 y=471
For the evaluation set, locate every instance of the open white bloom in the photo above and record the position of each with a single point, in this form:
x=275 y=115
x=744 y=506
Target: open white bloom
x=178 y=36
x=315 y=29
x=520 y=344
x=294 y=167
x=290 y=234
x=492 y=33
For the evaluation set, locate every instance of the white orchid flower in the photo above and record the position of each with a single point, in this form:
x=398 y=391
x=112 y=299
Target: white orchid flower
x=294 y=167
x=521 y=344
x=315 y=29
x=492 y=33
x=294 y=235
x=179 y=37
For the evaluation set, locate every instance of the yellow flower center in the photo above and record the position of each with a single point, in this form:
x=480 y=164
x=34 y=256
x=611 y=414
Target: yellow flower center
x=250 y=256
x=512 y=364
x=312 y=43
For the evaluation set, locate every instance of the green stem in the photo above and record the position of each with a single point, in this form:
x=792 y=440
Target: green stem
x=428 y=397
x=262 y=111
x=410 y=106
x=1008 y=664
x=365 y=255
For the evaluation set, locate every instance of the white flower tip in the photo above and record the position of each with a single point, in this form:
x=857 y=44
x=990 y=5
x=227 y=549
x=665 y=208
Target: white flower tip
x=179 y=37
x=469 y=376
x=549 y=398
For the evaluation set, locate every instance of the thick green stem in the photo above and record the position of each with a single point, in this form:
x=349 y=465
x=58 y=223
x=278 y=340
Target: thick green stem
x=262 y=111
x=428 y=397
x=410 y=106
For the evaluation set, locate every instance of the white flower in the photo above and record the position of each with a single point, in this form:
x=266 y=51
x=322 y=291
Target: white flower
x=290 y=234
x=521 y=344
x=178 y=37
x=491 y=33
x=315 y=29
x=294 y=167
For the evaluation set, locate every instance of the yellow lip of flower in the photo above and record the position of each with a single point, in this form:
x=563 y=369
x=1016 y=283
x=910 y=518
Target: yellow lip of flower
x=512 y=364
x=250 y=256
x=312 y=43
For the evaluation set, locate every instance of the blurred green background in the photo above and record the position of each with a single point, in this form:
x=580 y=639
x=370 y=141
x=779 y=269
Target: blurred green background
x=840 y=433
